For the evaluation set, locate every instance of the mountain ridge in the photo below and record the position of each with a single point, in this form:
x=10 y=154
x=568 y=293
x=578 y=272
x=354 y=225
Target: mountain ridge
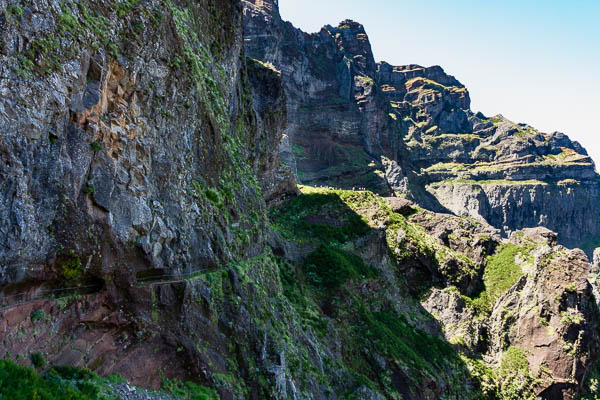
x=357 y=123
x=151 y=224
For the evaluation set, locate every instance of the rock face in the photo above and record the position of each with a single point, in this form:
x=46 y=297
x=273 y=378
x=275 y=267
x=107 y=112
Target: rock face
x=150 y=223
x=547 y=316
x=356 y=123
x=136 y=148
x=117 y=141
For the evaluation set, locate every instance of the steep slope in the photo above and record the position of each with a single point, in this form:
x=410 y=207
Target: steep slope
x=135 y=159
x=356 y=123
x=149 y=228
x=519 y=314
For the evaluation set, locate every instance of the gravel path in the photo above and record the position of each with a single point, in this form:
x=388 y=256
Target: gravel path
x=128 y=392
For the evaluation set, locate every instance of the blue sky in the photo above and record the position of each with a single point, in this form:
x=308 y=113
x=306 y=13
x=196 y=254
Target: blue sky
x=533 y=61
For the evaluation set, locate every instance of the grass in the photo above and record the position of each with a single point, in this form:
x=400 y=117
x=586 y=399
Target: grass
x=73 y=383
x=188 y=390
x=517 y=382
x=329 y=267
x=391 y=335
x=335 y=217
x=489 y=182
x=299 y=218
x=429 y=84
x=365 y=79
x=469 y=137
x=513 y=360
x=59 y=383
x=500 y=274
x=340 y=298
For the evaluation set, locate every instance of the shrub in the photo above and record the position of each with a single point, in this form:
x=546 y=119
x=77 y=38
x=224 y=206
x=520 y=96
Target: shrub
x=501 y=273
x=37 y=315
x=89 y=189
x=298 y=219
x=513 y=360
x=14 y=10
x=189 y=390
x=37 y=359
x=22 y=383
x=213 y=196
x=96 y=146
x=330 y=267
x=516 y=383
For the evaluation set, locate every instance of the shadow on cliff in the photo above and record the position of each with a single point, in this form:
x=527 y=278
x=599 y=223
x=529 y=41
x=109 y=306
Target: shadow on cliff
x=338 y=272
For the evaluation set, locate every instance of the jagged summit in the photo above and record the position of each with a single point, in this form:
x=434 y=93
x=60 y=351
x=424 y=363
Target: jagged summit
x=148 y=226
x=271 y=5
x=409 y=130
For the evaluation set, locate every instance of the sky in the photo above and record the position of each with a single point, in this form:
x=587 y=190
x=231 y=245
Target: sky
x=533 y=61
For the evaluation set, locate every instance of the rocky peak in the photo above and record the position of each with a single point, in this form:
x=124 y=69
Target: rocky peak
x=353 y=123
x=597 y=257
x=268 y=5
x=352 y=40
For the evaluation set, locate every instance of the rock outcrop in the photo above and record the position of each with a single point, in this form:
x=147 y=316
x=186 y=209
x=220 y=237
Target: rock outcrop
x=354 y=123
x=547 y=314
x=150 y=222
x=138 y=152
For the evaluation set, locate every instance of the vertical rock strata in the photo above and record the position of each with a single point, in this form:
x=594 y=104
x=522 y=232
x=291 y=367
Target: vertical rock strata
x=356 y=123
x=151 y=225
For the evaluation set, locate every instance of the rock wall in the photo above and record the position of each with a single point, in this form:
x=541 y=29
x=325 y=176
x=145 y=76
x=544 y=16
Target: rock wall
x=567 y=208
x=149 y=165
x=138 y=150
x=356 y=123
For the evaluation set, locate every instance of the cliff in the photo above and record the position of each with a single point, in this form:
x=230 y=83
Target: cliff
x=398 y=129
x=136 y=162
x=151 y=225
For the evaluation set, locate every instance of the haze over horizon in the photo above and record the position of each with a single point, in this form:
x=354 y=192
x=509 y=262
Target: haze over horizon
x=536 y=62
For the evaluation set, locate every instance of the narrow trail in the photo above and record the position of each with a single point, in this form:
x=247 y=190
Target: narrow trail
x=174 y=278
x=20 y=299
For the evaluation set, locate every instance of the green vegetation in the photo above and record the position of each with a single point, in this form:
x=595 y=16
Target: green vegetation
x=513 y=360
x=14 y=10
x=329 y=267
x=433 y=85
x=516 y=380
x=394 y=337
x=591 y=386
x=89 y=189
x=334 y=217
x=568 y=318
x=463 y=137
x=37 y=315
x=124 y=8
x=37 y=360
x=322 y=215
x=188 y=390
x=501 y=273
x=59 y=383
x=73 y=383
x=71 y=267
x=488 y=182
x=96 y=146
x=365 y=79
x=323 y=288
